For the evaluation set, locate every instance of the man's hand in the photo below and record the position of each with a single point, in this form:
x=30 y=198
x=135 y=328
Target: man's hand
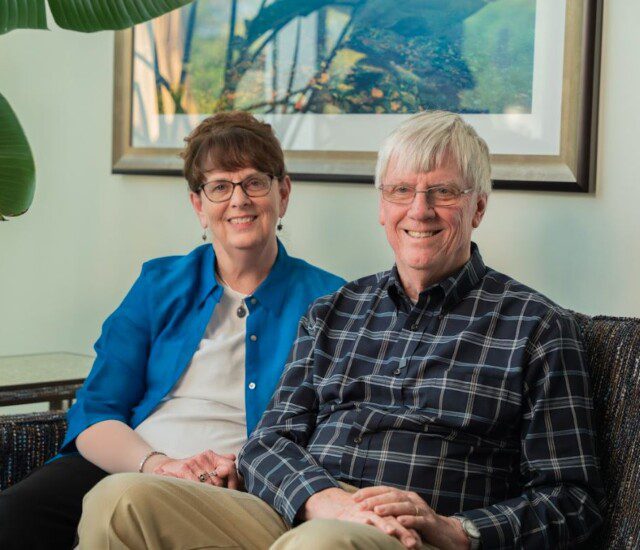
x=205 y=467
x=339 y=504
x=413 y=512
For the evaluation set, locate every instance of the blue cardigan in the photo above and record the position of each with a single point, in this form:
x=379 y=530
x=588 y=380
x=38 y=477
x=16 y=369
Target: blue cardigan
x=147 y=343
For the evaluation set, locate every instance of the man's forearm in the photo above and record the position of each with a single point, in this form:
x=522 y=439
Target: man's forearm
x=282 y=473
x=550 y=517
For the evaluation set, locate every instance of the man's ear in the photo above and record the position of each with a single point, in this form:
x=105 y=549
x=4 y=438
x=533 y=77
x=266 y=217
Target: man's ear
x=481 y=207
x=196 y=202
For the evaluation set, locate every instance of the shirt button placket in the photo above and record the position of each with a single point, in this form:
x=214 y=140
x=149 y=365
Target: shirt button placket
x=401 y=365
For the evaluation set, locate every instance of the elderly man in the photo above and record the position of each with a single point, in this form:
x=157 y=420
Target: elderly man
x=438 y=404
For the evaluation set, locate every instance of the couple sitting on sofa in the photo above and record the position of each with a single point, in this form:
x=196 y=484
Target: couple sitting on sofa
x=437 y=404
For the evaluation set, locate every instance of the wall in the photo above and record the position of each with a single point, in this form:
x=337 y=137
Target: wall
x=66 y=264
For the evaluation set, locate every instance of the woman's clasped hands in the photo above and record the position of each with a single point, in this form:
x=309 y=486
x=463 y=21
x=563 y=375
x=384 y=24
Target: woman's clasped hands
x=206 y=467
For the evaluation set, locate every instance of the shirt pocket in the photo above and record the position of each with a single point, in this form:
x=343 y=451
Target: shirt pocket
x=480 y=399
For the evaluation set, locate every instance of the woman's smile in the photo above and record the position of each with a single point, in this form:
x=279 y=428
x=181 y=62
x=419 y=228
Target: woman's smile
x=242 y=222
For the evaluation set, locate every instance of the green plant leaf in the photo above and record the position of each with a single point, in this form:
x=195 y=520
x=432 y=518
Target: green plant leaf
x=17 y=170
x=99 y=15
x=22 y=14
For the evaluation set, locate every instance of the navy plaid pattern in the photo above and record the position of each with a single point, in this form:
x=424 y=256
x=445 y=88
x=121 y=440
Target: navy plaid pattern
x=476 y=398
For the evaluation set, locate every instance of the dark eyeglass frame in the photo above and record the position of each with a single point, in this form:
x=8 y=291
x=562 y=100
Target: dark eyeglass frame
x=430 y=194
x=242 y=184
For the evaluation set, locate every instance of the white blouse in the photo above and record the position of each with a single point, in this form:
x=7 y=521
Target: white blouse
x=206 y=407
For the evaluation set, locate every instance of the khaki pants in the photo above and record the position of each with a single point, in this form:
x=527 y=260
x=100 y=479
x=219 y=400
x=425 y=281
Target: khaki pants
x=139 y=511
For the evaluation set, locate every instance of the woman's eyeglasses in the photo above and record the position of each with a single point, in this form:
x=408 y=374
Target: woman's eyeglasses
x=255 y=185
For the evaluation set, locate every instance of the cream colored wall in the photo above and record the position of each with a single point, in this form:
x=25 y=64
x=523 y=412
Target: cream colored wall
x=66 y=264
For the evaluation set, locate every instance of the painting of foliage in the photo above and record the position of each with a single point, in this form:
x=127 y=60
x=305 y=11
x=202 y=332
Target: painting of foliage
x=335 y=57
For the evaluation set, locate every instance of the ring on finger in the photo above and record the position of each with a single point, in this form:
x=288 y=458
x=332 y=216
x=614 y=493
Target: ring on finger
x=203 y=477
x=417 y=510
x=213 y=473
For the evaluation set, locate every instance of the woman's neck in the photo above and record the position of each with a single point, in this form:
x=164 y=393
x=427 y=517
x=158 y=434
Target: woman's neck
x=244 y=270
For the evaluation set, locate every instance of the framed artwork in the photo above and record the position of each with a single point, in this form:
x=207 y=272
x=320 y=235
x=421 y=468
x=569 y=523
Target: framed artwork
x=335 y=77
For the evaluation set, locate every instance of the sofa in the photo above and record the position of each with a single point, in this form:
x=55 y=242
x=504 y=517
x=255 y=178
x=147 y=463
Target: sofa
x=613 y=351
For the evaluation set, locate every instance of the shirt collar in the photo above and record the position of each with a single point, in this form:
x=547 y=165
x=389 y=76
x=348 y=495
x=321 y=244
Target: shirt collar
x=396 y=292
x=460 y=283
x=271 y=293
x=452 y=289
x=208 y=281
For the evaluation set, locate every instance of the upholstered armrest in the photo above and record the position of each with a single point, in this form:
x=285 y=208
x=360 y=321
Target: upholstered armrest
x=27 y=441
x=613 y=350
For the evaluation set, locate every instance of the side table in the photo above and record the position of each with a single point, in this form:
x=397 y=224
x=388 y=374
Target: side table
x=50 y=377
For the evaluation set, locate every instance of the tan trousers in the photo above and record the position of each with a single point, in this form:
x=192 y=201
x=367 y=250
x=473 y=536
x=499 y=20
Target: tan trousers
x=140 y=511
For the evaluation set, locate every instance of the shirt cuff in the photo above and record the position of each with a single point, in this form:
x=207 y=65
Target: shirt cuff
x=496 y=530
x=297 y=488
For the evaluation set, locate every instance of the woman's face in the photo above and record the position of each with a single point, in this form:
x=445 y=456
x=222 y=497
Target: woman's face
x=242 y=222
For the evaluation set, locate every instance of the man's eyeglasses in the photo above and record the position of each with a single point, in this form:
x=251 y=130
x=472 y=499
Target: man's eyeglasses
x=439 y=195
x=255 y=185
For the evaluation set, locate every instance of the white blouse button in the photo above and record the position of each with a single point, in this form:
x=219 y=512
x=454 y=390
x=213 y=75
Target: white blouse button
x=253 y=337
x=252 y=385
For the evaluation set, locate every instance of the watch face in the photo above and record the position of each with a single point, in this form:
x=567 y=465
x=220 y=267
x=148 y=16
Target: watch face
x=471 y=529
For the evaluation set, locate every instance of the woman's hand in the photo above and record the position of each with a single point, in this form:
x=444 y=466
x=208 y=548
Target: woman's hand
x=413 y=512
x=206 y=467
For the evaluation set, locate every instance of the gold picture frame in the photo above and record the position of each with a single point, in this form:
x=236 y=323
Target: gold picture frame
x=572 y=169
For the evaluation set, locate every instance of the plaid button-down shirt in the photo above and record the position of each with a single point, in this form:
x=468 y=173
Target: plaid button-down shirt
x=476 y=398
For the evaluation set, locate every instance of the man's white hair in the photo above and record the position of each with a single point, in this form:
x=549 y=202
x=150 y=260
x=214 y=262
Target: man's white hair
x=430 y=139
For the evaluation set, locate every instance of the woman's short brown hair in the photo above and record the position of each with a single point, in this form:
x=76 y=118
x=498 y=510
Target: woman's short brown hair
x=231 y=141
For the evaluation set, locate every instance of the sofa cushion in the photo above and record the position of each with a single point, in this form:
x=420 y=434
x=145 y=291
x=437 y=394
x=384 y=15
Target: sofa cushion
x=27 y=441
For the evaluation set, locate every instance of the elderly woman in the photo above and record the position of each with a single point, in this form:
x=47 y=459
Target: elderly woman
x=187 y=363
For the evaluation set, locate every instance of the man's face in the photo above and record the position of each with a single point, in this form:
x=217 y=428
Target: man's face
x=430 y=242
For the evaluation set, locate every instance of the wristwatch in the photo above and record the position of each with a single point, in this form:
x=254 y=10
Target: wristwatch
x=471 y=531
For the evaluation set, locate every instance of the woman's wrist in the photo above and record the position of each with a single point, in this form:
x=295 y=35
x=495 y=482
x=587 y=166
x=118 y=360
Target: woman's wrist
x=151 y=461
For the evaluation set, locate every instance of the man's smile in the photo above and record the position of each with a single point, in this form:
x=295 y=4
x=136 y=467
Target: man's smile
x=421 y=234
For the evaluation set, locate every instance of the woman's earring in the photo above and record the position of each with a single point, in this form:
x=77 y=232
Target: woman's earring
x=279 y=226
x=204 y=234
